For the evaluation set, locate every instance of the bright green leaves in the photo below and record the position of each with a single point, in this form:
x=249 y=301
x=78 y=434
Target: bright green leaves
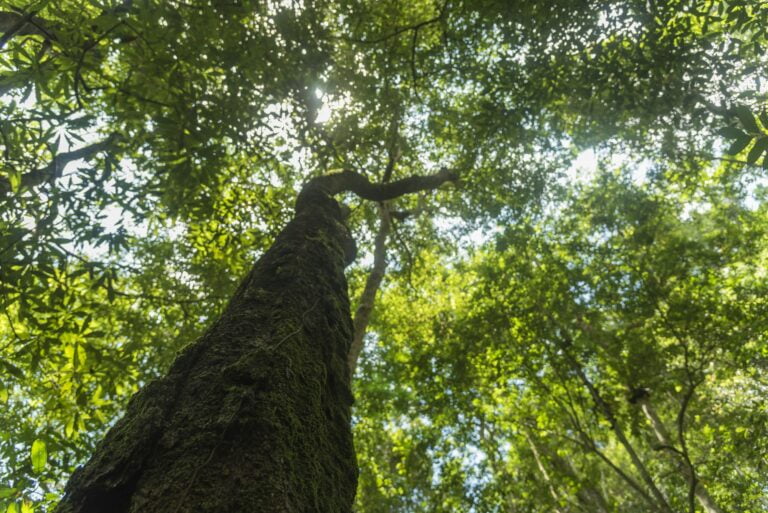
x=619 y=285
x=25 y=506
x=39 y=456
x=109 y=267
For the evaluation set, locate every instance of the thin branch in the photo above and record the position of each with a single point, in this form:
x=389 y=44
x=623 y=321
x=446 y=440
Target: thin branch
x=393 y=152
x=542 y=469
x=607 y=412
x=372 y=284
x=696 y=489
x=401 y=30
x=588 y=444
x=414 y=41
x=169 y=300
x=81 y=60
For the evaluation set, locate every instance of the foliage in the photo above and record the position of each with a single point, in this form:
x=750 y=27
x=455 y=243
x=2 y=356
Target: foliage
x=152 y=149
x=515 y=391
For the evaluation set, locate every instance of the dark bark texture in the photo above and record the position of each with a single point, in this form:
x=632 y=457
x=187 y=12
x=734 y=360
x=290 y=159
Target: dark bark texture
x=254 y=416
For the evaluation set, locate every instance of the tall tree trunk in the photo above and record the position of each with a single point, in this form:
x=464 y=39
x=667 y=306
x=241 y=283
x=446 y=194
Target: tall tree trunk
x=254 y=416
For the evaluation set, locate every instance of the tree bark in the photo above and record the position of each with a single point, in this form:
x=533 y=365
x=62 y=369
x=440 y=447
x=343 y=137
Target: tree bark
x=254 y=416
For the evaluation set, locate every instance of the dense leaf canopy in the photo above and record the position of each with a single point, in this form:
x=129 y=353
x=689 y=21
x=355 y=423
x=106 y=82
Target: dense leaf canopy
x=578 y=325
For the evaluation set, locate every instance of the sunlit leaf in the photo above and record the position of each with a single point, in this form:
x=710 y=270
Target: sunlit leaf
x=39 y=456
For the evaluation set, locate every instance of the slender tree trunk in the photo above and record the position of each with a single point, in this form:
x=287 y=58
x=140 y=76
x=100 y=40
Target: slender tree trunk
x=607 y=411
x=372 y=284
x=543 y=470
x=255 y=416
x=662 y=435
x=589 y=498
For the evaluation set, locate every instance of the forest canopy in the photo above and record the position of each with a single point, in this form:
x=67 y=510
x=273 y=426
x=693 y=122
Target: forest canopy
x=578 y=324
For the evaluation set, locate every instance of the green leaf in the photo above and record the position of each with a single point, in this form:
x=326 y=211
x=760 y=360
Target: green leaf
x=12 y=508
x=738 y=145
x=758 y=149
x=764 y=118
x=12 y=369
x=7 y=492
x=105 y=22
x=746 y=118
x=731 y=132
x=14 y=180
x=39 y=455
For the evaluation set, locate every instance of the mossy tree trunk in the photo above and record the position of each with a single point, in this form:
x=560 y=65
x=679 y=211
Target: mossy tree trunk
x=254 y=416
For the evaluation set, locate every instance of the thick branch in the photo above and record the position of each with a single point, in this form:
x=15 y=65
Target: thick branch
x=351 y=181
x=14 y=24
x=55 y=168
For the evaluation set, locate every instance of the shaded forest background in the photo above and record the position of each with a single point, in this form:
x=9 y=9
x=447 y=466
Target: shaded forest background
x=579 y=325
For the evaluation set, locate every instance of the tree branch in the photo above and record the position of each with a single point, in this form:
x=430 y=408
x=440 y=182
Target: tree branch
x=351 y=181
x=376 y=276
x=401 y=30
x=697 y=489
x=13 y=24
x=586 y=441
x=605 y=409
x=542 y=469
x=372 y=284
x=54 y=169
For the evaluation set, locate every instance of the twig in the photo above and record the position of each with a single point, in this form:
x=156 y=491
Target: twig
x=162 y=299
x=87 y=48
x=400 y=30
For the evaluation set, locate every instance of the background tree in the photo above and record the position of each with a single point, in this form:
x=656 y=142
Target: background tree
x=151 y=150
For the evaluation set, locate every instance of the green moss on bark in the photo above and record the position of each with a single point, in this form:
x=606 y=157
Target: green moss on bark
x=254 y=416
